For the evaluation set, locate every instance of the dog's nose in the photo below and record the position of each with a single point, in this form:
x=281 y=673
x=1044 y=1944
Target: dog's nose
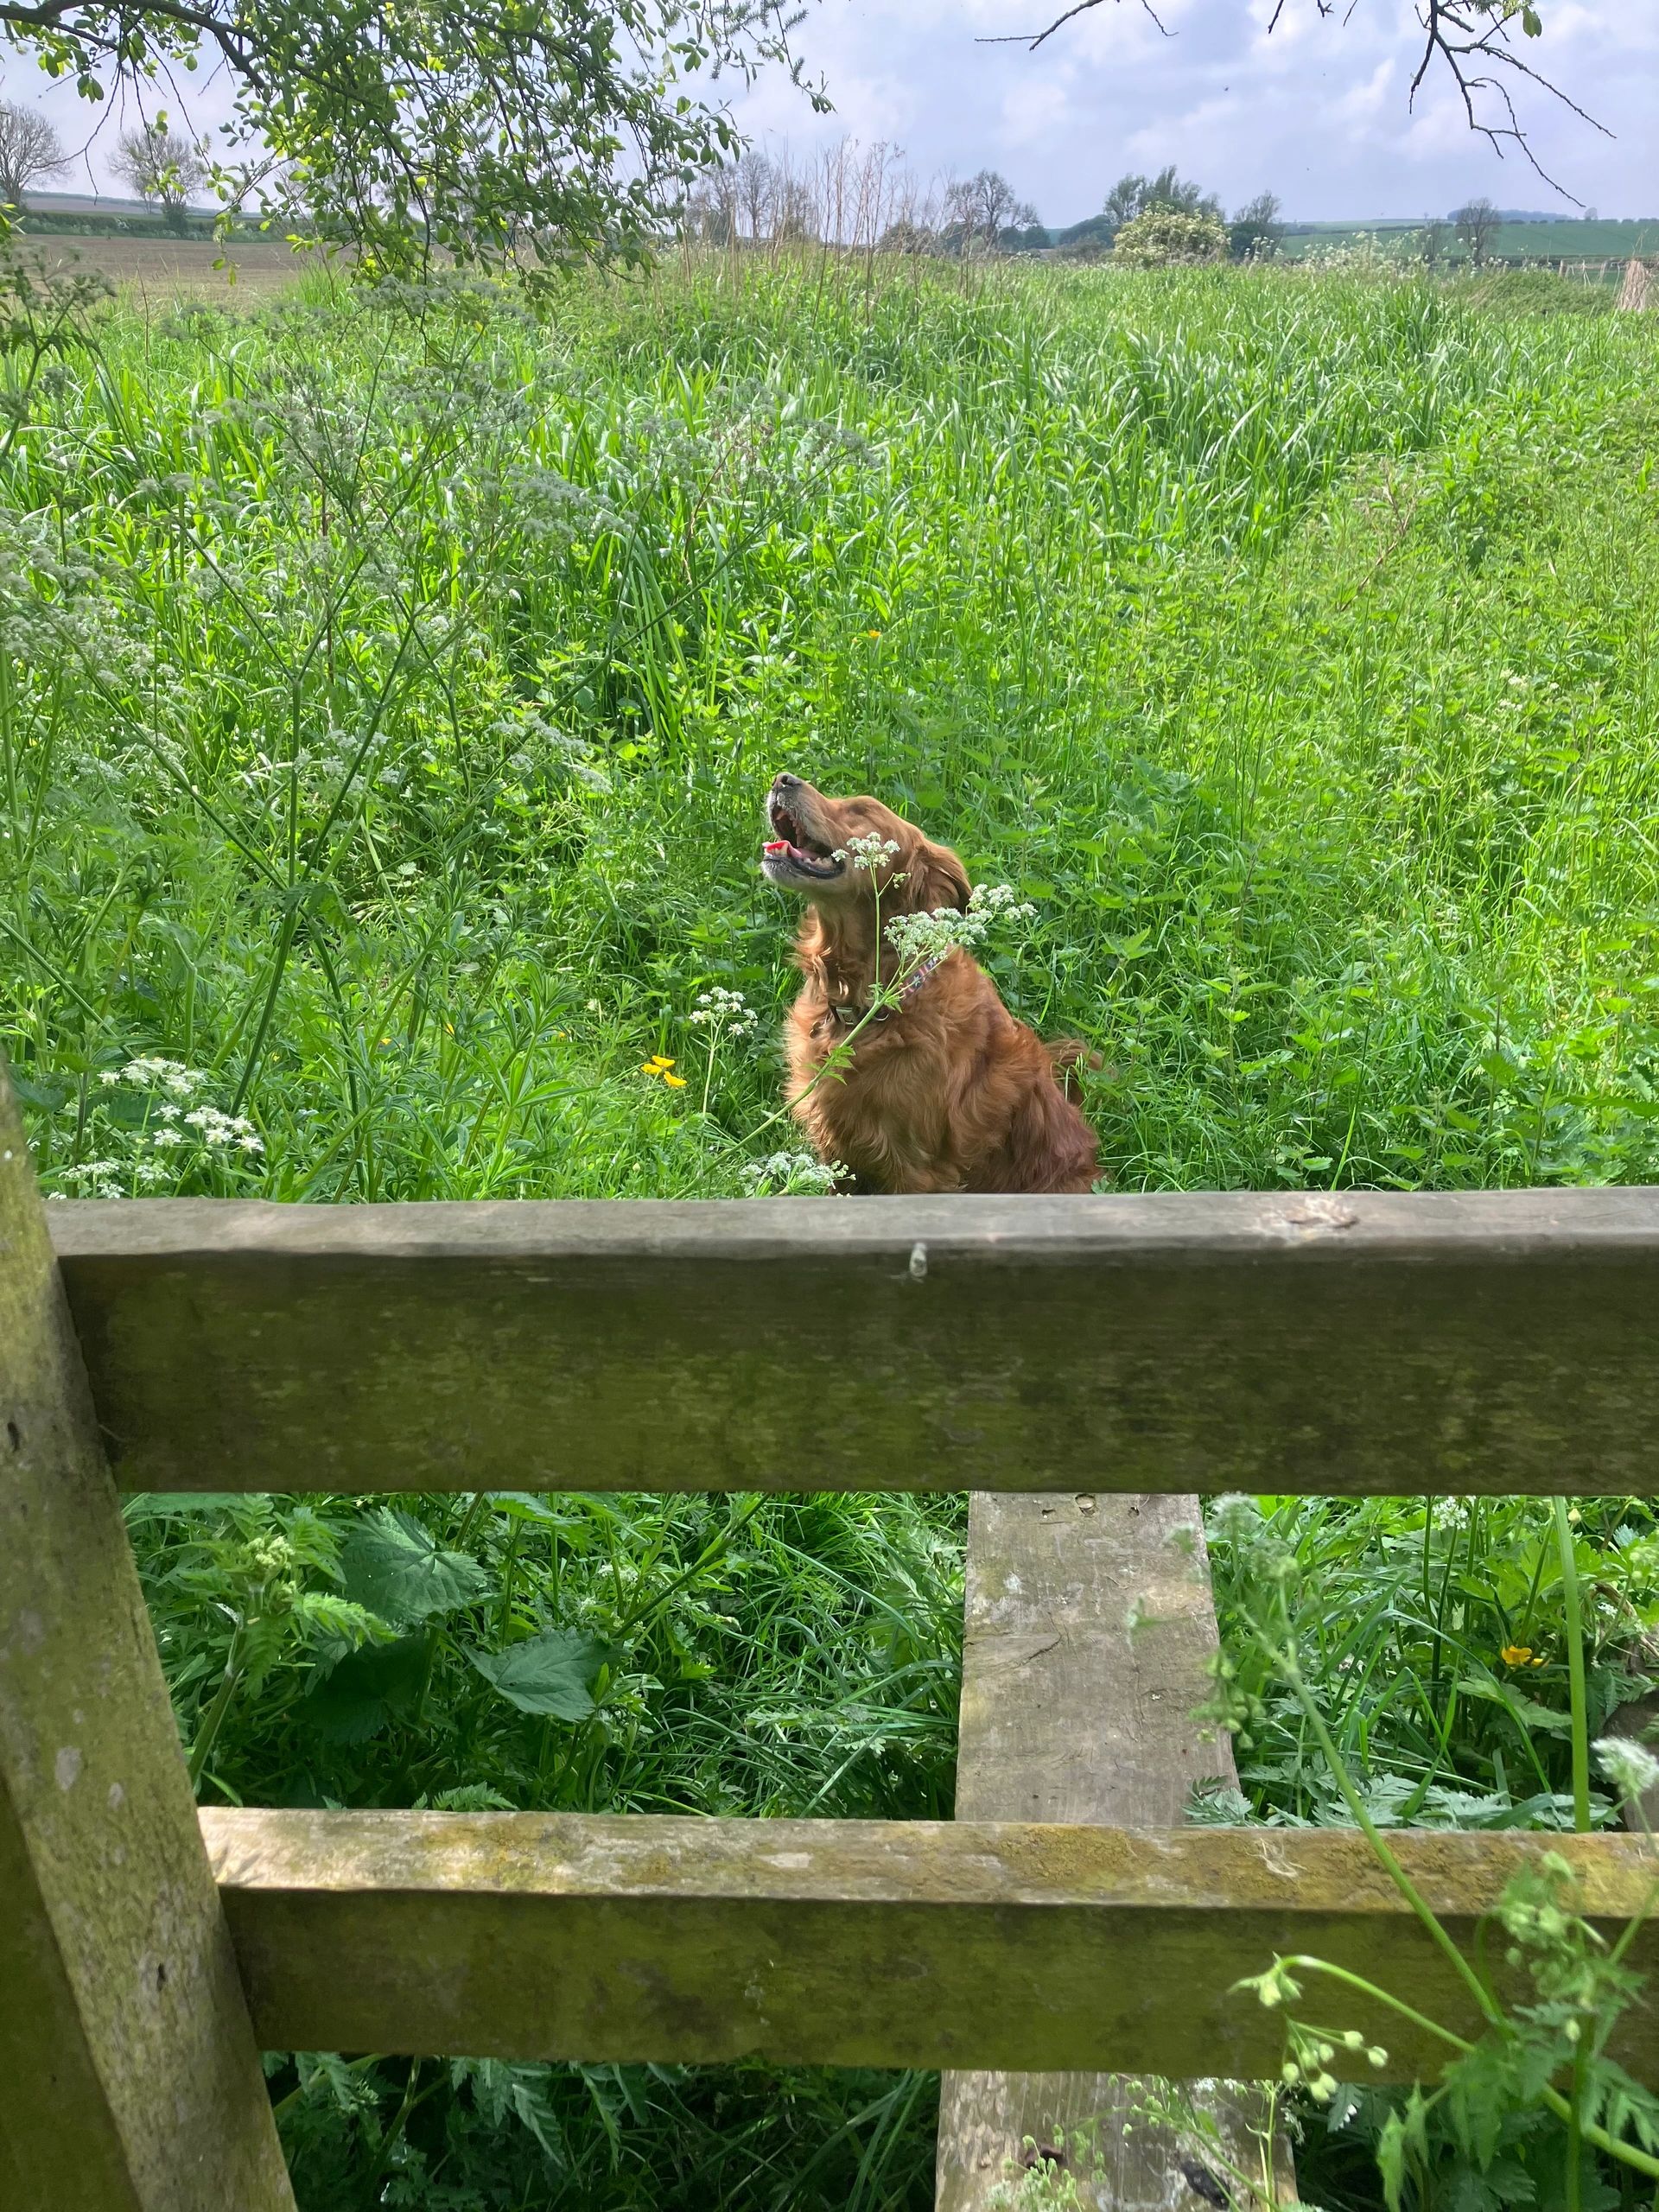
x=782 y=783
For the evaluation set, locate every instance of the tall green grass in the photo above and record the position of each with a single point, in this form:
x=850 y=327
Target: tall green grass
x=389 y=691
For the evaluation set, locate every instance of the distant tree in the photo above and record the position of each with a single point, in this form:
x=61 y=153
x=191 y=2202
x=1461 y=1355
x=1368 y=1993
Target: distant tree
x=1475 y=222
x=1134 y=196
x=1164 y=238
x=756 y=176
x=794 y=210
x=1027 y=232
x=161 y=167
x=1256 y=229
x=711 y=210
x=1431 y=242
x=30 y=148
x=1125 y=200
x=980 y=208
x=753 y=197
x=1087 y=239
x=906 y=236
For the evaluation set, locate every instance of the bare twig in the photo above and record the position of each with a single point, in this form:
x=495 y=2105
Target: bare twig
x=1025 y=38
x=1468 y=39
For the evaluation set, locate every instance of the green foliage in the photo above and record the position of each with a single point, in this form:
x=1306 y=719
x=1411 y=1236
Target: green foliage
x=1134 y=196
x=388 y=691
x=551 y=1672
x=1254 y=233
x=1548 y=1989
x=1437 y=1632
x=1164 y=238
x=655 y=1654
x=489 y=131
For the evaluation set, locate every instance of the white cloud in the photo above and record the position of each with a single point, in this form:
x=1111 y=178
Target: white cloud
x=1035 y=113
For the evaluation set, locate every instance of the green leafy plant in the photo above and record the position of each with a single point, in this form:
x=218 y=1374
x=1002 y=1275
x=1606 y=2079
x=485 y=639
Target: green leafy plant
x=1542 y=2048
x=1164 y=238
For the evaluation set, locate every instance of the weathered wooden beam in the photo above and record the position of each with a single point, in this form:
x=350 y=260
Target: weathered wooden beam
x=129 y=2081
x=1496 y=1342
x=852 y=1943
x=1088 y=1630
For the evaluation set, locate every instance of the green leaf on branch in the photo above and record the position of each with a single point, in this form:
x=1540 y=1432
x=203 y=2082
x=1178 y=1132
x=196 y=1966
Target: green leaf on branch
x=395 y=1567
x=368 y=1689
x=1525 y=1712
x=553 y=1673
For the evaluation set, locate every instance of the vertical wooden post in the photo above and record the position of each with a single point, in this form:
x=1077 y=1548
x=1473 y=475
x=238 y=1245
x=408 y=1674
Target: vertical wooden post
x=1089 y=1625
x=129 y=2077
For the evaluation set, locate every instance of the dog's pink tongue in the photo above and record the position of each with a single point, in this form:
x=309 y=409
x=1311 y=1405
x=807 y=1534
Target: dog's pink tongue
x=776 y=845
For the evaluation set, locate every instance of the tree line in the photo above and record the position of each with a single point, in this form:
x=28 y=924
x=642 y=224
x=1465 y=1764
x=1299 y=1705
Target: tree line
x=161 y=166
x=853 y=196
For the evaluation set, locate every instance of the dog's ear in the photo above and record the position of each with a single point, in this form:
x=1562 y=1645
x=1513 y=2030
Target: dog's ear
x=938 y=879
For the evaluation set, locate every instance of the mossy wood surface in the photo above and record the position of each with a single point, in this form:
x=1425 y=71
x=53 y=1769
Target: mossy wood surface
x=1492 y=1341
x=1088 y=1630
x=1014 y=1947
x=129 y=2077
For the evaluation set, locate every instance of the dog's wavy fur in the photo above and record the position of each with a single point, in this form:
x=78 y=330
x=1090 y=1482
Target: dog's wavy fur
x=947 y=1091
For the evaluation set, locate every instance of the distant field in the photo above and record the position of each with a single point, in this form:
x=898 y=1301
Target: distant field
x=159 y=269
x=1565 y=241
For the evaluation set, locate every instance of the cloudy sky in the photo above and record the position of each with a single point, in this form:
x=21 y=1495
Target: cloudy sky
x=1315 y=111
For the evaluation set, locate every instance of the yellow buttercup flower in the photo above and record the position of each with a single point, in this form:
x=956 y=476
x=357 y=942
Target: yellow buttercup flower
x=1519 y=1655
x=674 y=1082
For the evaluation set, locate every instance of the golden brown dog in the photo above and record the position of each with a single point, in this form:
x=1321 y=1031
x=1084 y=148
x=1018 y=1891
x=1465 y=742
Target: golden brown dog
x=944 y=1090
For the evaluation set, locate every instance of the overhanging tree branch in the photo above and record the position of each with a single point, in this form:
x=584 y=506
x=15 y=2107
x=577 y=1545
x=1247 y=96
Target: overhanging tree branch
x=486 y=128
x=1467 y=37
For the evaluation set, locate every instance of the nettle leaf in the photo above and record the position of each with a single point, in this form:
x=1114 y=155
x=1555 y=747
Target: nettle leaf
x=368 y=1689
x=51 y=1094
x=553 y=1673
x=396 y=1569
x=573 y=1515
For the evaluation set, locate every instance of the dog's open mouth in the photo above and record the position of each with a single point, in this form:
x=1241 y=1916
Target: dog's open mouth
x=792 y=851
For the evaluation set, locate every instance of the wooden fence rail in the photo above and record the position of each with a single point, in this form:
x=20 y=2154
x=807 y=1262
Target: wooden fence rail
x=1498 y=1342
x=852 y=1942
x=1083 y=1347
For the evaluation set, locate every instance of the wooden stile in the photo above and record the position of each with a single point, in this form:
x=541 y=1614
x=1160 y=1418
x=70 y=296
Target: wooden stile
x=855 y=1943
x=1487 y=1341
x=1055 y=1356
x=1089 y=1629
x=129 y=2081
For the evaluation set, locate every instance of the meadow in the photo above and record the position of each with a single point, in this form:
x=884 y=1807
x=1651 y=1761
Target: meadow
x=390 y=688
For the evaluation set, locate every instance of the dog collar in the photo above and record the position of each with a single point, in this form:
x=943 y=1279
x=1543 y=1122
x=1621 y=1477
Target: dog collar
x=850 y=1015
